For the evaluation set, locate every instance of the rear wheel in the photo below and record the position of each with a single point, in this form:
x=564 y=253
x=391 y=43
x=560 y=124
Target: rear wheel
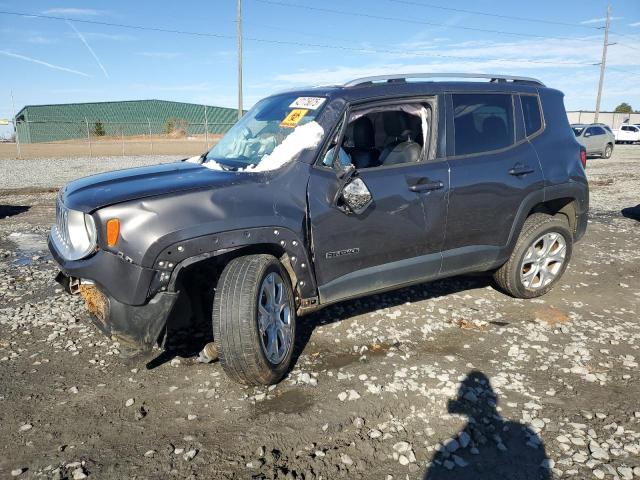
x=539 y=259
x=608 y=150
x=254 y=320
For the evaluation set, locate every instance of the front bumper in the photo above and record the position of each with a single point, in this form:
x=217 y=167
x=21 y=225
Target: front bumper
x=124 y=281
x=136 y=326
x=119 y=298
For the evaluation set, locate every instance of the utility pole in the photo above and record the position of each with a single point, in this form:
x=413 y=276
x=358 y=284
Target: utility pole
x=239 y=34
x=603 y=63
x=15 y=125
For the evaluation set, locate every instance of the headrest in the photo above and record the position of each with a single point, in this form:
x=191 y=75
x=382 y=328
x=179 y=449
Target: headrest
x=395 y=123
x=363 y=135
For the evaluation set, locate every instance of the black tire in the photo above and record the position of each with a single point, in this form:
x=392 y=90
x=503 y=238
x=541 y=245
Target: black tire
x=508 y=277
x=235 y=320
x=608 y=150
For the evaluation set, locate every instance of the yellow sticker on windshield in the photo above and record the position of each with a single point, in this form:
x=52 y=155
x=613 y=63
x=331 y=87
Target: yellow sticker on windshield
x=294 y=117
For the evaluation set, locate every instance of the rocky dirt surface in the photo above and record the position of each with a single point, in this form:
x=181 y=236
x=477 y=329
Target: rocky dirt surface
x=451 y=379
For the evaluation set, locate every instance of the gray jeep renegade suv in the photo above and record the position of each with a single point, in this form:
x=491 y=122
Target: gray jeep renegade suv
x=326 y=194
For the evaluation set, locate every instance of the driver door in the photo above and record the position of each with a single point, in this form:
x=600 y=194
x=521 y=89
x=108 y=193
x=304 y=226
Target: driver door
x=396 y=240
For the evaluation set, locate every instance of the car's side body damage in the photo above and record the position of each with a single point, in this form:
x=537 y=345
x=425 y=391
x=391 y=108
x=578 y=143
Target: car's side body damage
x=177 y=216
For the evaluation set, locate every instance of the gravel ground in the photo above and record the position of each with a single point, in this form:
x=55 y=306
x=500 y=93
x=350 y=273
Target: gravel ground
x=55 y=172
x=451 y=379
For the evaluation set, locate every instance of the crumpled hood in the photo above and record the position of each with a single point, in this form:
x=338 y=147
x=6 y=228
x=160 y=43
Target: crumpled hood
x=97 y=191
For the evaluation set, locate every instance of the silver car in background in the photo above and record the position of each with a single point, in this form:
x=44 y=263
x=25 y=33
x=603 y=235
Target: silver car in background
x=597 y=138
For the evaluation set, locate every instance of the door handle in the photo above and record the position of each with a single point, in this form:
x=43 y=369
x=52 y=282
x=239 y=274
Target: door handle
x=426 y=186
x=520 y=170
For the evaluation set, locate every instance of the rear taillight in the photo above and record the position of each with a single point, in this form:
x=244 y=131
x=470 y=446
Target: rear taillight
x=583 y=157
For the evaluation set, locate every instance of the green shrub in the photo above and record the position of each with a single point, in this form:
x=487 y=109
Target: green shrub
x=98 y=129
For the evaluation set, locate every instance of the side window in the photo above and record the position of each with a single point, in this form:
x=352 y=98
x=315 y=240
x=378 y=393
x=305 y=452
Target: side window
x=383 y=136
x=590 y=131
x=626 y=129
x=597 y=131
x=483 y=122
x=532 y=114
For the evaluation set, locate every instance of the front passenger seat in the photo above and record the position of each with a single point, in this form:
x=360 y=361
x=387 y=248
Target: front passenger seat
x=401 y=149
x=364 y=154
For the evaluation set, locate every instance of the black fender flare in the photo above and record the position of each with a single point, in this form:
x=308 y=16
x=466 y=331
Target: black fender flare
x=179 y=255
x=577 y=191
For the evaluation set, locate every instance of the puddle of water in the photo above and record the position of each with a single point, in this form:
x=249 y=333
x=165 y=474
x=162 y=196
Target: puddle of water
x=28 y=245
x=335 y=361
x=291 y=401
x=447 y=343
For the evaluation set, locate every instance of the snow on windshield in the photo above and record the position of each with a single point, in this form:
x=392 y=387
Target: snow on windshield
x=303 y=137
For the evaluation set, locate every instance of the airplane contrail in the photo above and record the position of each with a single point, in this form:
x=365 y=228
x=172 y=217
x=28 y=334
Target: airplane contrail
x=83 y=40
x=40 y=62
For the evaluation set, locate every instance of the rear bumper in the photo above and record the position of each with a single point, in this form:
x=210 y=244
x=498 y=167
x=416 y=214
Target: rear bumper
x=581 y=225
x=137 y=326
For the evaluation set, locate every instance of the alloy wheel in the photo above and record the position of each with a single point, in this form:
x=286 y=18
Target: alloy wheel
x=274 y=318
x=543 y=261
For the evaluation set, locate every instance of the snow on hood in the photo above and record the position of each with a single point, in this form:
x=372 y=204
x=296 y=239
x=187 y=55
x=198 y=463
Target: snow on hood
x=303 y=137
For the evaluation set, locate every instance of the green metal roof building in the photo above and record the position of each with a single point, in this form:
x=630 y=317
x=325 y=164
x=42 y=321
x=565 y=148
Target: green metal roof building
x=50 y=123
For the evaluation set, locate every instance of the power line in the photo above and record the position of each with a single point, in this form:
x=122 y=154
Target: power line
x=624 y=44
x=365 y=50
x=409 y=20
x=120 y=25
x=623 y=71
x=495 y=15
x=293 y=42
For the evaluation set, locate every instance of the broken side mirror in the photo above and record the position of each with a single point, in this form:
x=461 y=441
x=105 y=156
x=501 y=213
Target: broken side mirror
x=355 y=197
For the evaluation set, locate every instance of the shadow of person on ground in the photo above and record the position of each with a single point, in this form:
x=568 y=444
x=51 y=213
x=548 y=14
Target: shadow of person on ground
x=631 y=212
x=489 y=446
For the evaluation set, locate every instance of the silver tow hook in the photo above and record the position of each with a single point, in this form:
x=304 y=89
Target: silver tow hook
x=74 y=285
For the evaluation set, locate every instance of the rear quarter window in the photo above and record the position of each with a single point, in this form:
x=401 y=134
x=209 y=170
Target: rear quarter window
x=483 y=122
x=532 y=114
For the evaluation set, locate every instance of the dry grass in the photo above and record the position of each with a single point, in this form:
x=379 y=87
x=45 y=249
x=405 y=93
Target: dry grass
x=111 y=146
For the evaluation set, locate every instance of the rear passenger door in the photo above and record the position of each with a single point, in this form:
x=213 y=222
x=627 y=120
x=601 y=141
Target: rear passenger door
x=493 y=169
x=594 y=139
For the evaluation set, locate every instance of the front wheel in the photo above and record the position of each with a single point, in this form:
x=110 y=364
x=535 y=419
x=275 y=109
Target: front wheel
x=254 y=320
x=539 y=259
x=608 y=150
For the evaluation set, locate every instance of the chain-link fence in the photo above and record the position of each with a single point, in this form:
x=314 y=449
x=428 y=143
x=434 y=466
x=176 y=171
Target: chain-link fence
x=174 y=136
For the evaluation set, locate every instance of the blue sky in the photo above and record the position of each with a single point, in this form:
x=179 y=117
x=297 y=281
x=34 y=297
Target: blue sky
x=52 y=61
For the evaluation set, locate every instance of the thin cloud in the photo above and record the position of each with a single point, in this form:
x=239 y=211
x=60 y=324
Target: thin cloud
x=195 y=87
x=76 y=12
x=163 y=55
x=40 y=40
x=634 y=24
x=599 y=20
x=108 y=36
x=41 y=62
x=82 y=39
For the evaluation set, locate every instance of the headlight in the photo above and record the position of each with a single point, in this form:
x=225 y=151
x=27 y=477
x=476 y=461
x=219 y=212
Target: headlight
x=74 y=233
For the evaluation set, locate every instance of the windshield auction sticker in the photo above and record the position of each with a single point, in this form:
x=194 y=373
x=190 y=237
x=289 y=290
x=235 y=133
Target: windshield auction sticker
x=294 y=117
x=310 y=103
